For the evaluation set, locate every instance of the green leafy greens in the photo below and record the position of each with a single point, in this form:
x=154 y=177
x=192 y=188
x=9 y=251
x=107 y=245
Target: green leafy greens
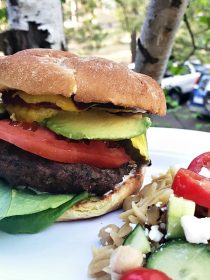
x=5 y=199
x=26 y=212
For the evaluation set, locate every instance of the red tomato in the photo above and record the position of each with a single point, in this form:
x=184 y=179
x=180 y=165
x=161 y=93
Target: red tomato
x=44 y=143
x=200 y=161
x=192 y=186
x=144 y=274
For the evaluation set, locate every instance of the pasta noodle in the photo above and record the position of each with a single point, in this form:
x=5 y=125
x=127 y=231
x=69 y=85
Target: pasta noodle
x=158 y=191
x=138 y=209
x=98 y=267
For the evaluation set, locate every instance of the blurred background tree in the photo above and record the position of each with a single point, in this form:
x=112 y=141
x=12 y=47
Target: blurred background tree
x=3 y=16
x=157 y=35
x=131 y=16
x=81 y=22
x=193 y=37
x=32 y=24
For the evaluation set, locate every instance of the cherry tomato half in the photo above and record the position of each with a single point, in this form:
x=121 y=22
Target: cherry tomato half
x=200 y=161
x=144 y=274
x=192 y=186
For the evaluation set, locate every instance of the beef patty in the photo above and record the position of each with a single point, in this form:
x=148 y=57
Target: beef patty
x=21 y=168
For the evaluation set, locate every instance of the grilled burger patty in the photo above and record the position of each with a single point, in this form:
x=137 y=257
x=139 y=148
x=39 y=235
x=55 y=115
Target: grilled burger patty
x=20 y=168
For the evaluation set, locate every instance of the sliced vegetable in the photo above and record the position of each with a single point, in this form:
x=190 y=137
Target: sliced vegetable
x=192 y=186
x=44 y=143
x=36 y=222
x=23 y=203
x=95 y=124
x=138 y=240
x=5 y=199
x=182 y=260
x=140 y=143
x=200 y=161
x=144 y=274
x=177 y=208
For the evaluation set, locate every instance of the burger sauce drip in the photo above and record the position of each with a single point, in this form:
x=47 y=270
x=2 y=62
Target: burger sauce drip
x=26 y=126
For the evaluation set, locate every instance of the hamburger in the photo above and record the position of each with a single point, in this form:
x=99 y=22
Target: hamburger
x=72 y=137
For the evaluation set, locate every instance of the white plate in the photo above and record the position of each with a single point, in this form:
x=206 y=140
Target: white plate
x=63 y=251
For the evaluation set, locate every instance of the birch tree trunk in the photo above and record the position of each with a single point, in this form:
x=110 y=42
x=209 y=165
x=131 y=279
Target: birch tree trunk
x=157 y=36
x=33 y=24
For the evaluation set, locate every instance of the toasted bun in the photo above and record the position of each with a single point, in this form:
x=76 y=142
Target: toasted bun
x=91 y=79
x=112 y=201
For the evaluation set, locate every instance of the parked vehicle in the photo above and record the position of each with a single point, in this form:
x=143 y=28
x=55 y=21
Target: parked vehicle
x=180 y=82
x=200 y=97
x=200 y=68
x=180 y=86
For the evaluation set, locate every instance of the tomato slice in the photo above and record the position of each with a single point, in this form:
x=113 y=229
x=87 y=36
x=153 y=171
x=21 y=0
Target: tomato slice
x=192 y=186
x=46 y=144
x=200 y=161
x=144 y=274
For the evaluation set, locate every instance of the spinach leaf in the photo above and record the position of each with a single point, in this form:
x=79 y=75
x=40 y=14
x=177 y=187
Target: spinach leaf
x=5 y=199
x=36 y=222
x=24 y=203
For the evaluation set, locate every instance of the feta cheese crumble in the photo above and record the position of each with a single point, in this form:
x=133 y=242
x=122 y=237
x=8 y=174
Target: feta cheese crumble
x=196 y=230
x=155 y=234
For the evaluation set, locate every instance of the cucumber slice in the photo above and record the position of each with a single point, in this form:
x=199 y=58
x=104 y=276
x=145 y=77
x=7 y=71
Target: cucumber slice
x=177 y=208
x=138 y=240
x=182 y=260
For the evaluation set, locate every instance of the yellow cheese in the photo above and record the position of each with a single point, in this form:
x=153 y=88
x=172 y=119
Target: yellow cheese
x=140 y=143
x=62 y=102
x=66 y=104
x=21 y=113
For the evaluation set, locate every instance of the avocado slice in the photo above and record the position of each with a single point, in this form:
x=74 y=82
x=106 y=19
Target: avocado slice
x=95 y=124
x=140 y=143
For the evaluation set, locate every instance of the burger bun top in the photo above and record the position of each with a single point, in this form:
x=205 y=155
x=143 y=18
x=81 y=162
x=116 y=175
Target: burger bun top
x=88 y=79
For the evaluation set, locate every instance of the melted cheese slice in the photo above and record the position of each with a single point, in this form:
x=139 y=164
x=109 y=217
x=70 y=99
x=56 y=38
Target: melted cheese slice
x=66 y=104
x=21 y=113
x=140 y=143
x=62 y=102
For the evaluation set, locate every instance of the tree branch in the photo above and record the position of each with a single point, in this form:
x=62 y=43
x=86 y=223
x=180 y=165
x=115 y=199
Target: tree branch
x=189 y=30
x=157 y=36
x=194 y=46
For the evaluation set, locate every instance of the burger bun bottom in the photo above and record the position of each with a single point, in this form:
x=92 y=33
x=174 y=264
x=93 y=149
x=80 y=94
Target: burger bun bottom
x=95 y=206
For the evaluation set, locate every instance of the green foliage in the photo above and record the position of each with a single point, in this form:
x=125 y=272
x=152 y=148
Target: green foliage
x=89 y=32
x=3 y=18
x=198 y=16
x=3 y=14
x=205 y=20
x=171 y=104
x=175 y=69
x=130 y=14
